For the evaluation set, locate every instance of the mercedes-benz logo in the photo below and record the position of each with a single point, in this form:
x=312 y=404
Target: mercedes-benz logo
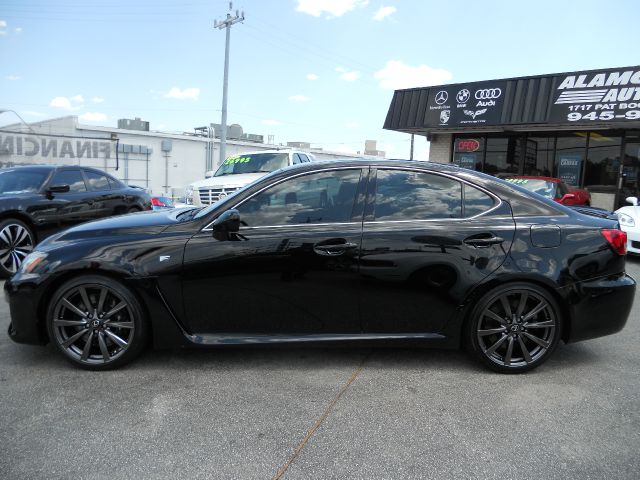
x=441 y=97
x=463 y=95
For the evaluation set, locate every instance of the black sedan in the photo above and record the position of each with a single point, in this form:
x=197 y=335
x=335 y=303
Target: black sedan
x=36 y=201
x=335 y=251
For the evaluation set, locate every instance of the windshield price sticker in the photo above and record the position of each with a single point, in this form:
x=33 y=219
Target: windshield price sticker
x=518 y=181
x=234 y=160
x=601 y=96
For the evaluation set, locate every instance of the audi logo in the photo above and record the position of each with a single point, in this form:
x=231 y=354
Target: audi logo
x=488 y=93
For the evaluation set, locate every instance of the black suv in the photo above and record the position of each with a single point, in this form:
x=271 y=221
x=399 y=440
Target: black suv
x=37 y=201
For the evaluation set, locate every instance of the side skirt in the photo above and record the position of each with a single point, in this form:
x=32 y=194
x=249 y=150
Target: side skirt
x=214 y=339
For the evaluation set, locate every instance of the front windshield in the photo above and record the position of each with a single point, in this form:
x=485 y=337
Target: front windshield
x=16 y=181
x=541 y=187
x=252 y=163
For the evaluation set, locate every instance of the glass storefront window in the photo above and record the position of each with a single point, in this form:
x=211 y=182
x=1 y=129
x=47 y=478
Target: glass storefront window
x=538 y=156
x=603 y=160
x=631 y=169
x=468 y=152
x=503 y=155
x=570 y=157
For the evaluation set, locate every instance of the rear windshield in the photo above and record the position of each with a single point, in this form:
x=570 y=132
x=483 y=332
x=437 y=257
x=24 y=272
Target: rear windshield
x=15 y=181
x=253 y=163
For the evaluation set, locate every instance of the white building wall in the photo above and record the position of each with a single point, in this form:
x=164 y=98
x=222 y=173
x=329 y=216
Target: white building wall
x=440 y=148
x=140 y=159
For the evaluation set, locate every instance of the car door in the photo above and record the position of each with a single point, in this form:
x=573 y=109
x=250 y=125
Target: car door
x=428 y=239
x=65 y=209
x=293 y=268
x=105 y=200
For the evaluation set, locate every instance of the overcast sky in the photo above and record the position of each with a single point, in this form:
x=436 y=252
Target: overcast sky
x=320 y=71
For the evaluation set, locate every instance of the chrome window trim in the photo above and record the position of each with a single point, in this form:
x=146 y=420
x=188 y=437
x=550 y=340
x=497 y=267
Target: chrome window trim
x=209 y=228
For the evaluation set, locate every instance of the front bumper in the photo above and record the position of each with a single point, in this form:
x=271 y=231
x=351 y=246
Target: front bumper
x=23 y=299
x=633 y=240
x=599 y=307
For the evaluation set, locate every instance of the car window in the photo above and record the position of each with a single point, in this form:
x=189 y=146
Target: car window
x=296 y=159
x=96 y=181
x=325 y=197
x=406 y=195
x=476 y=201
x=113 y=183
x=73 y=178
x=304 y=158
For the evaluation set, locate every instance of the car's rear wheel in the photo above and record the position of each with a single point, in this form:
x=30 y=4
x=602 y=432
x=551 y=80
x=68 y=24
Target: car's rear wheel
x=97 y=323
x=16 y=242
x=514 y=328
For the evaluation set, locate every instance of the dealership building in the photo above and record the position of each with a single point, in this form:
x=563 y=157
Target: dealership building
x=162 y=162
x=583 y=127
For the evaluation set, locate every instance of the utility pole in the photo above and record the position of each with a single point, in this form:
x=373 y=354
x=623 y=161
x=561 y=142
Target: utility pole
x=226 y=24
x=411 y=154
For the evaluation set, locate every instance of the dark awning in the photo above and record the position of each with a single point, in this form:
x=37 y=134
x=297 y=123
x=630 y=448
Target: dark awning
x=607 y=98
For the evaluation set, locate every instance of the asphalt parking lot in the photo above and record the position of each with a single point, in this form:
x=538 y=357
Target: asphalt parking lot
x=300 y=413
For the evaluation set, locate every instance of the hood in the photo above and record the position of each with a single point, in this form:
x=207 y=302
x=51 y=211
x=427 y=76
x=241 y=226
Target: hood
x=228 y=181
x=134 y=223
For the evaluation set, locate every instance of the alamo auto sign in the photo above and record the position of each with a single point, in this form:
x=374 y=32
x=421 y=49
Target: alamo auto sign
x=474 y=104
x=597 y=96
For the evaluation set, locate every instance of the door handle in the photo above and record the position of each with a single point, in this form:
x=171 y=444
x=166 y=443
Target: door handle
x=333 y=250
x=483 y=240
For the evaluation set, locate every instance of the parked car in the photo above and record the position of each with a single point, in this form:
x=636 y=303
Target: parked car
x=553 y=188
x=332 y=251
x=629 y=217
x=240 y=170
x=36 y=201
x=160 y=203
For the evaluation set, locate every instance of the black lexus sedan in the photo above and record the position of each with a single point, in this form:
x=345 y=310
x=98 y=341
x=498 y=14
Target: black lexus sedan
x=36 y=201
x=332 y=251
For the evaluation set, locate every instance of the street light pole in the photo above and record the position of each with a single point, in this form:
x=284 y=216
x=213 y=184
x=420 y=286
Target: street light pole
x=226 y=24
x=3 y=110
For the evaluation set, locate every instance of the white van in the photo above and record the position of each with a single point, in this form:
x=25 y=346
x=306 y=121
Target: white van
x=240 y=170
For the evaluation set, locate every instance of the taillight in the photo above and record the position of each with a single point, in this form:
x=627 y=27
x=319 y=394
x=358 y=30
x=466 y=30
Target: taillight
x=617 y=239
x=157 y=203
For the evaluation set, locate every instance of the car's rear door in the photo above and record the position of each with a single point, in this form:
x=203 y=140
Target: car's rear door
x=68 y=208
x=293 y=268
x=428 y=239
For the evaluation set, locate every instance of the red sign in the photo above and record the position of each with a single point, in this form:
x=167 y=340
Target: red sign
x=467 y=145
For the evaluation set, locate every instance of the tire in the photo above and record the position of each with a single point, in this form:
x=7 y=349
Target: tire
x=514 y=328
x=16 y=242
x=109 y=335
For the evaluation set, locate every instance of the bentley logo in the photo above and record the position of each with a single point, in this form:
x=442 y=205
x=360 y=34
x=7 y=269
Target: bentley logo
x=473 y=114
x=441 y=97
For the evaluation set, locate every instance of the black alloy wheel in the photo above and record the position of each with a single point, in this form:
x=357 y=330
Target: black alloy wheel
x=16 y=242
x=97 y=323
x=514 y=328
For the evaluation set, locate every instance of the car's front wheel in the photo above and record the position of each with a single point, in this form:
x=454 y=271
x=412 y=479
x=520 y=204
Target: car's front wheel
x=514 y=328
x=97 y=323
x=16 y=242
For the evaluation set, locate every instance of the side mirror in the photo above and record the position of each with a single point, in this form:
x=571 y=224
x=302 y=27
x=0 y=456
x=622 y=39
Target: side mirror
x=632 y=200
x=58 y=189
x=227 y=223
x=567 y=196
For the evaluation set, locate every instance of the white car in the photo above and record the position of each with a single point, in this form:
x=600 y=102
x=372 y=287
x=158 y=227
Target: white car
x=240 y=170
x=629 y=218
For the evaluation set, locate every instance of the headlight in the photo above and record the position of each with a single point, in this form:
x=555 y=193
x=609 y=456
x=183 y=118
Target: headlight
x=31 y=261
x=626 y=220
x=188 y=195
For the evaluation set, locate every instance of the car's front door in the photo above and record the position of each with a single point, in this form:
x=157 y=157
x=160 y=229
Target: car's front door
x=65 y=209
x=427 y=240
x=293 y=266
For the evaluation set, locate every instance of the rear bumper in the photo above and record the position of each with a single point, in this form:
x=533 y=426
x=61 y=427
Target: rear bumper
x=599 y=307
